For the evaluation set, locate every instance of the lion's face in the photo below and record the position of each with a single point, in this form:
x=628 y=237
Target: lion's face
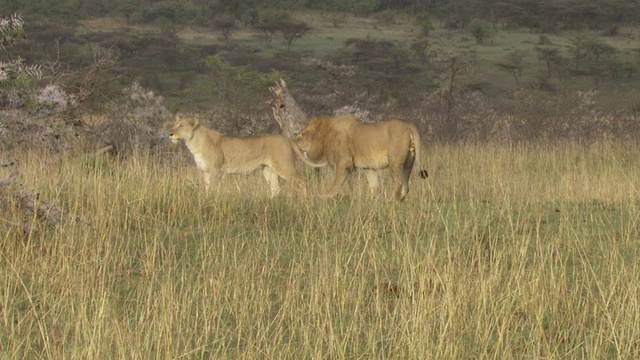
x=304 y=140
x=324 y=136
x=182 y=129
x=308 y=140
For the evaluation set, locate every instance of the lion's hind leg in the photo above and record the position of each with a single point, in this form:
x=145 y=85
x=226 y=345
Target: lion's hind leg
x=400 y=173
x=402 y=184
x=400 y=167
x=407 y=166
x=342 y=169
x=272 y=179
x=373 y=180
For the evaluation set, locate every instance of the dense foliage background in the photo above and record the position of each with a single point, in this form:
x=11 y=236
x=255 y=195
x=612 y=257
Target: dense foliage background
x=463 y=70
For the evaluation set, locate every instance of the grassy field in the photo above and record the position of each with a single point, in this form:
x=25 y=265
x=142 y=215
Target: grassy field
x=504 y=252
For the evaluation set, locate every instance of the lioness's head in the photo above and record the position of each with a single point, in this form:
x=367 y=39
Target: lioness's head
x=183 y=128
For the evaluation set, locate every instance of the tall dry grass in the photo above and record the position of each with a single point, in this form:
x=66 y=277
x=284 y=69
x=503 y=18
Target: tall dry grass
x=505 y=252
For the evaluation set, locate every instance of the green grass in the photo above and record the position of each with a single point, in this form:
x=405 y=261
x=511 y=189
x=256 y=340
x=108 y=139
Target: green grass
x=505 y=252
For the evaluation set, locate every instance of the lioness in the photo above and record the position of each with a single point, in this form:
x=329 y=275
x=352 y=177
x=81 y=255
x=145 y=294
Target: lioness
x=344 y=142
x=216 y=154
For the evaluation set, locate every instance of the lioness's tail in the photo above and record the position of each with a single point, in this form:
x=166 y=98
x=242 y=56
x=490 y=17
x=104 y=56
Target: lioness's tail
x=417 y=148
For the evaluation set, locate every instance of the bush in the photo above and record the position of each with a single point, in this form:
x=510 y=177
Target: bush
x=135 y=123
x=481 y=30
x=175 y=12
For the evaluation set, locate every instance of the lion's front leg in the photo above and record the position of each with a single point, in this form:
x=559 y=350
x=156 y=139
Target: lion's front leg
x=342 y=170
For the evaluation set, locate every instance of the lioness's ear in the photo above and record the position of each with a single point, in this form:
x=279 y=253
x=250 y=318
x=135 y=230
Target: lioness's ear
x=193 y=122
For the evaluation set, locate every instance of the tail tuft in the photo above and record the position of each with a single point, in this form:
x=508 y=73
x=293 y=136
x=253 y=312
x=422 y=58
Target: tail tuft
x=423 y=174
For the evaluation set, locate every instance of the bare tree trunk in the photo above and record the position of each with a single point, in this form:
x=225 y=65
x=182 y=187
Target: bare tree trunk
x=286 y=111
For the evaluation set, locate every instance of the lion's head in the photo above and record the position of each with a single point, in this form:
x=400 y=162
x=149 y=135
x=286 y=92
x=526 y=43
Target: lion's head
x=183 y=128
x=320 y=133
x=307 y=140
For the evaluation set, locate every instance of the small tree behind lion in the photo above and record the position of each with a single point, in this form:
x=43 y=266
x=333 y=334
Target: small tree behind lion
x=236 y=89
x=288 y=114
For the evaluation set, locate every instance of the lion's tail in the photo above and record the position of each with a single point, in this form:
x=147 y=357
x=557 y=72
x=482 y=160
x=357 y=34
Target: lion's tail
x=301 y=156
x=417 y=148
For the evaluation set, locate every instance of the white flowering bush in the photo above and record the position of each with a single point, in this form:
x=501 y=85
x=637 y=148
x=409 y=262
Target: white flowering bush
x=54 y=97
x=136 y=122
x=362 y=114
x=20 y=127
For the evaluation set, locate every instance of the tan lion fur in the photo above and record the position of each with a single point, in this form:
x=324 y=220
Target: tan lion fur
x=216 y=154
x=347 y=143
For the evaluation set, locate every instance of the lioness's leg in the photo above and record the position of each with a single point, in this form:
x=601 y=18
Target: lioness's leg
x=207 y=180
x=211 y=175
x=272 y=179
x=290 y=174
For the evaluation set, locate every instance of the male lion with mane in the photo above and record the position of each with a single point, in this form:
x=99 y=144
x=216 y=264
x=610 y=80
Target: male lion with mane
x=346 y=143
x=216 y=154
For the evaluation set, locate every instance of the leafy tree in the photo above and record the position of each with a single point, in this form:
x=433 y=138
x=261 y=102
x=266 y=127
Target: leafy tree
x=550 y=56
x=481 y=30
x=175 y=12
x=14 y=72
x=360 y=7
x=292 y=30
x=578 y=49
x=381 y=62
x=421 y=49
x=456 y=16
x=514 y=64
x=127 y=10
x=267 y=22
x=270 y=22
x=451 y=66
x=600 y=49
x=424 y=22
x=226 y=24
x=237 y=88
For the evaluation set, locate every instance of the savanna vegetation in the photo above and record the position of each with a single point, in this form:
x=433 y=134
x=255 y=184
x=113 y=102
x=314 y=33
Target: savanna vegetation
x=523 y=241
x=505 y=252
x=482 y=71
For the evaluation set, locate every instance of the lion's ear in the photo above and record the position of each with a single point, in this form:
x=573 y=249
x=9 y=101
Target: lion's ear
x=194 y=122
